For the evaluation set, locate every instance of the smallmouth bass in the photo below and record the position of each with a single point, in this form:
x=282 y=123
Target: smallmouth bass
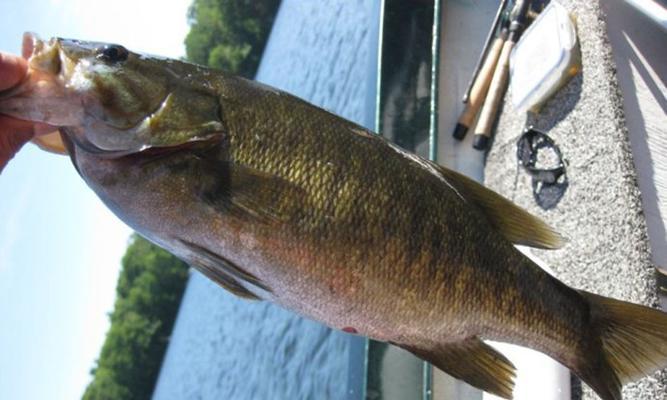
x=274 y=198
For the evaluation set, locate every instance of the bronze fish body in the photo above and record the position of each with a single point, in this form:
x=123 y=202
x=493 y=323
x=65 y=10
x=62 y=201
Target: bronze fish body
x=274 y=198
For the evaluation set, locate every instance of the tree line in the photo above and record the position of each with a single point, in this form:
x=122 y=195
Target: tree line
x=148 y=294
x=230 y=34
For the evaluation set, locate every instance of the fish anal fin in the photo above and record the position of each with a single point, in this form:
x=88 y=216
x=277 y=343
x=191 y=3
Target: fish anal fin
x=474 y=362
x=513 y=222
x=209 y=260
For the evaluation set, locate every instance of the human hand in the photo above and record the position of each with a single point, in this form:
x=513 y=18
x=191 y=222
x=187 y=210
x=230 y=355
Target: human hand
x=14 y=133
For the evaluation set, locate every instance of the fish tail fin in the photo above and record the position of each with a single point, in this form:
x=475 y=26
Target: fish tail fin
x=633 y=342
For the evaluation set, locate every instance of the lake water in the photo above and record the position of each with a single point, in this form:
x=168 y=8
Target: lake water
x=226 y=348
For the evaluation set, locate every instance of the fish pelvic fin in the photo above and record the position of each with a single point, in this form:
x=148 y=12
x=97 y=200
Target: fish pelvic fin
x=514 y=223
x=223 y=271
x=225 y=281
x=474 y=362
x=633 y=341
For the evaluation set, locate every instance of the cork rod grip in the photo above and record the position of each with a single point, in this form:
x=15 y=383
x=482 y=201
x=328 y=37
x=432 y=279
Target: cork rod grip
x=492 y=102
x=479 y=89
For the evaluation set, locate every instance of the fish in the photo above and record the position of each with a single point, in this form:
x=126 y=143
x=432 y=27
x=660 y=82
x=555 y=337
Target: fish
x=276 y=199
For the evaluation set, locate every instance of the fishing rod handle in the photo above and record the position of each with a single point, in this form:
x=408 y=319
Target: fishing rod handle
x=492 y=102
x=498 y=20
x=479 y=89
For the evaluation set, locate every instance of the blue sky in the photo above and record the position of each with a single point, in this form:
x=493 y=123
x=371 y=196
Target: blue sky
x=60 y=249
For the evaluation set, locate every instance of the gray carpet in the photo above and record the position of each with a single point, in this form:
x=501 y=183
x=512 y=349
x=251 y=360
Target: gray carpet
x=600 y=211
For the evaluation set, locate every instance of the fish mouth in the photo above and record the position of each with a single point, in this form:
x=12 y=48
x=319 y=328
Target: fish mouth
x=48 y=56
x=43 y=56
x=42 y=95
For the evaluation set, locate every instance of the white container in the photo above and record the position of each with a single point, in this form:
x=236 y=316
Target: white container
x=544 y=59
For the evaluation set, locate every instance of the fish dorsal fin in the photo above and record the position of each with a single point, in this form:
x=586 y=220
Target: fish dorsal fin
x=517 y=225
x=219 y=269
x=474 y=362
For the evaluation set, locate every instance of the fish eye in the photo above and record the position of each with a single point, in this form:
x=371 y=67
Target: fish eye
x=112 y=53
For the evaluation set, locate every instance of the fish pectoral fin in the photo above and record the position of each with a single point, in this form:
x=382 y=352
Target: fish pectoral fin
x=474 y=362
x=247 y=192
x=218 y=266
x=516 y=224
x=226 y=281
x=261 y=194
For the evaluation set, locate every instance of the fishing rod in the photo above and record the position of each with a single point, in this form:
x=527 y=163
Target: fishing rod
x=498 y=86
x=481 y=77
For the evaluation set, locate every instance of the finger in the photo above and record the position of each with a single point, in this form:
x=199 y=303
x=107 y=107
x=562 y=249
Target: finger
x=10 y=144
x=12 y=70
x=10 y=124
x=14 y=133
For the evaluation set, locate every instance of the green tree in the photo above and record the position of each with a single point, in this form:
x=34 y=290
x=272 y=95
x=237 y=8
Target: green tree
x=149 y=291
x=229 y=34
